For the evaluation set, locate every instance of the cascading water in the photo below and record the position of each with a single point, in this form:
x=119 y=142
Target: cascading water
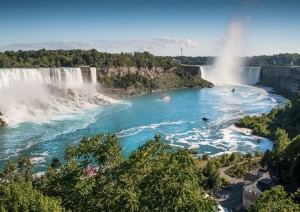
x=246 y=75
x=8 y=77
x=203 y=70
x=34 y=94
x=73 y=77
x=251 y=75
x=55 y=75
x=51 y=76
x=93 y=74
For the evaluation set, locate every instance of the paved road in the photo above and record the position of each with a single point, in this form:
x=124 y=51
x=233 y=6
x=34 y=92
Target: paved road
x=233 y=180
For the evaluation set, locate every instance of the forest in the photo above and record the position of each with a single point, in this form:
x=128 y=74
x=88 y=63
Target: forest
x=78 y=57
x=260 y=60
x=194 y=60
x=274 y=60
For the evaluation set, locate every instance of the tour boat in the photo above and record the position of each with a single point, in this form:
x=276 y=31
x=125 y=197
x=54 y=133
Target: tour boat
x=165 y=97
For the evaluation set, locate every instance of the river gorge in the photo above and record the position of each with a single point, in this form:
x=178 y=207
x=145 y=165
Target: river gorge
x=179 y=121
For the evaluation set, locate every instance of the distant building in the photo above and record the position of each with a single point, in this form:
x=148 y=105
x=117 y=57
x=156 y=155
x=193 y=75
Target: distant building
x=256 y=182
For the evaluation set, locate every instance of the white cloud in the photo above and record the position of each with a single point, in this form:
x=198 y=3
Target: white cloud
x=158 y=45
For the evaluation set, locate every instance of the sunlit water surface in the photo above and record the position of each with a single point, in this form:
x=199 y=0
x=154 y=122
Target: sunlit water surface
x=179 y=122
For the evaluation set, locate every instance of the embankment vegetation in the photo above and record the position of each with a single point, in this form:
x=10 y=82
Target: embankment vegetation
x=282 y=125
x=135 y=83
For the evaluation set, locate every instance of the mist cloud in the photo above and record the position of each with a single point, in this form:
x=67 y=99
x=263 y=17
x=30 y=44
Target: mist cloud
x=228 y=64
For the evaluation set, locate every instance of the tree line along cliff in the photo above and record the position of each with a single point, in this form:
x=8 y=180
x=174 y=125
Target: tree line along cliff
x=260 y=60
x=78 y=57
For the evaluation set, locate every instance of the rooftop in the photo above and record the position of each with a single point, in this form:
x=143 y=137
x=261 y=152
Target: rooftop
x=252 y=188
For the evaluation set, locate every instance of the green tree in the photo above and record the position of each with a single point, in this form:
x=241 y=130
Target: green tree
x=17 y=192
x=205 y=156
x=154 y=177
x=175 y=186
x=281 y=141
x=275 y=200
x=21 y=196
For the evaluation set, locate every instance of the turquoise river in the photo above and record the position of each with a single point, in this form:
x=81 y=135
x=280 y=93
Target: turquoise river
x=178 y=121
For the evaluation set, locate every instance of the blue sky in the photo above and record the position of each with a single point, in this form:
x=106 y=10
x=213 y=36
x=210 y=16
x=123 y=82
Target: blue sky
x=160 y=27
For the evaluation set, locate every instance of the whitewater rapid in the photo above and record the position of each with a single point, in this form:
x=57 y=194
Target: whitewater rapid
x=38 y=94
x=248 y=75
x=178 y=121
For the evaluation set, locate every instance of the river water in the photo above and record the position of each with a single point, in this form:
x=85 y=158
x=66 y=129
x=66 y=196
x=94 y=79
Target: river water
x=178 y=121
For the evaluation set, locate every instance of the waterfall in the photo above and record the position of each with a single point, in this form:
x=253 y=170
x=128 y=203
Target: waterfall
x=93 y=74
x=203 y=70
x=55 y=75
x=251 y=75
x=52 y=76
x=11 y=76
x=25 y=94
x=247 y=75
x=8 y=77
x=73 y=77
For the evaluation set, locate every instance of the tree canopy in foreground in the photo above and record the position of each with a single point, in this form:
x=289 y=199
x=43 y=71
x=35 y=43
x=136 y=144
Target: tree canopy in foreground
x=96 y=177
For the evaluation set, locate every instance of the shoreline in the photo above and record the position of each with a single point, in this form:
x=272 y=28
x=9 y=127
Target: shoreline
x=124 y=95
x=248 y=131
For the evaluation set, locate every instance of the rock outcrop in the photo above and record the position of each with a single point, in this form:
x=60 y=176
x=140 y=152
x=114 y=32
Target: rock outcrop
x=140 y=81
x=284 y=80
x=2 y=122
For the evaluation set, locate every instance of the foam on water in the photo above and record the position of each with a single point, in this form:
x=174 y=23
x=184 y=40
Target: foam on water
x=37 y=95
x=135 y=130
x=178 y=121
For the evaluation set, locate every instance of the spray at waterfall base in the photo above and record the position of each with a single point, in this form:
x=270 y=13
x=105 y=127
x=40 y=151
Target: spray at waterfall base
x=33 y=95
x=248 y=75
x=228 y=67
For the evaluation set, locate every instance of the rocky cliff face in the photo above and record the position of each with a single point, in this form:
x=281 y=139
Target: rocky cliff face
x=284 y=80
x=150 y=72
x=122 y=71
x=133 y=81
